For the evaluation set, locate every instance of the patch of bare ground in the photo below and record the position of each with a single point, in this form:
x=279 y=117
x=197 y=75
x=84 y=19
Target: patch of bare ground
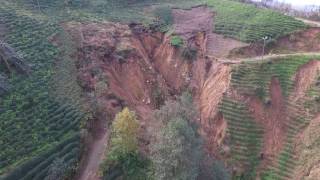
x=220 y=46
x=200 y=19
x=95 y=153
x=302 y=41
x=273 y=117
x=307 y=146
x=304 y=78
x=211 y=81
x=189 y=22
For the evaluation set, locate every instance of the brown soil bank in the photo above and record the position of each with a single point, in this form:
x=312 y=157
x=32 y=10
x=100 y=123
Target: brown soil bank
x=129 y=65
x=273 y=118
x=303 y=41
x=308 y=167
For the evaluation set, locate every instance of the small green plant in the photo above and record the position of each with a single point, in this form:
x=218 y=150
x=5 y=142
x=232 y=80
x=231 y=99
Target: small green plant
x=176 y=41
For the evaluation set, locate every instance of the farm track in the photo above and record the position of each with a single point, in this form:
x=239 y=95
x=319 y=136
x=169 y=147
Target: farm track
x=309 y=22
x=265 y=58
x=95 y=157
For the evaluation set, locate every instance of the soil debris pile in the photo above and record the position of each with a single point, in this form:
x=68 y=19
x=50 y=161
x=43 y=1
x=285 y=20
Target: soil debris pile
x=189 y=22
x=304 y=78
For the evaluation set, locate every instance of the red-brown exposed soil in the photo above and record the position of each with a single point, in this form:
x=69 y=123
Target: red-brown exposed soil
x=304 y=78
x=273 y=118
x=308 y=149
x=128 y=65
x=220 y=46
x=303 y=41
x=200 y=19
x=121 y=65
x=189 y=22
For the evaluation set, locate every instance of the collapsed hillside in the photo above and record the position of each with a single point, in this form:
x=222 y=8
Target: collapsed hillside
x=247 y=113
x=130 y=65
x=39 y=117
x=136 y=67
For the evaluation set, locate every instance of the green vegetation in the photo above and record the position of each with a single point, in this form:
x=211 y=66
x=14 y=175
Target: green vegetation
x=42 y=113
x=177 y=152
x=219 y=171
x=253 y=79
x=123 y=159
x=124 y=135
x=248 y=23
x=245 y=137
x=233 y=19
x=176 y=41
x=34 y=123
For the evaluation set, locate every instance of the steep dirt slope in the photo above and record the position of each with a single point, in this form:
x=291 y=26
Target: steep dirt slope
x=302 y=41
x=309 y=154
x=272 y=117
x=304 y=78
x=129 y=65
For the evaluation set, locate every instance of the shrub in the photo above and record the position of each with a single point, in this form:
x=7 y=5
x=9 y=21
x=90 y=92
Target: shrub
x=56 y=170
x=219 y=171
x=176 y=41
x=177 y=150
x=124 y=135
x=123 y=160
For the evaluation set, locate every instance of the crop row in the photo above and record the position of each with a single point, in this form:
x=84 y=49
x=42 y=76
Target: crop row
x=244 y=134
x=247 y=78
x=248 y=23
x=33 y=121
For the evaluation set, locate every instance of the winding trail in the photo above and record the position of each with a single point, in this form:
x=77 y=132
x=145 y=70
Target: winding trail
x=89 y=168
x=309 y=22
x=264 y=58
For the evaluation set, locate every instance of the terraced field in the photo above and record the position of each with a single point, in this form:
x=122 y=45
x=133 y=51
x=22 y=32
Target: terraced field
x=245 y=136
x=35 y=128
x=247 y=23
x=253 y=79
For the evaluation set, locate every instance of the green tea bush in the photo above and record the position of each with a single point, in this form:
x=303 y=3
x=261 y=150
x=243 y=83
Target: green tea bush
x=176 y=41
x=177 y=151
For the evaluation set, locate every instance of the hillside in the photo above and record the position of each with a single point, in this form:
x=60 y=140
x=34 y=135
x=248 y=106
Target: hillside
x=190 y=73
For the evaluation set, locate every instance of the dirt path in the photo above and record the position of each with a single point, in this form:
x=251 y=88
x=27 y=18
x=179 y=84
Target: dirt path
x=309 y=22
x=265 y=58
x=95 y=157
